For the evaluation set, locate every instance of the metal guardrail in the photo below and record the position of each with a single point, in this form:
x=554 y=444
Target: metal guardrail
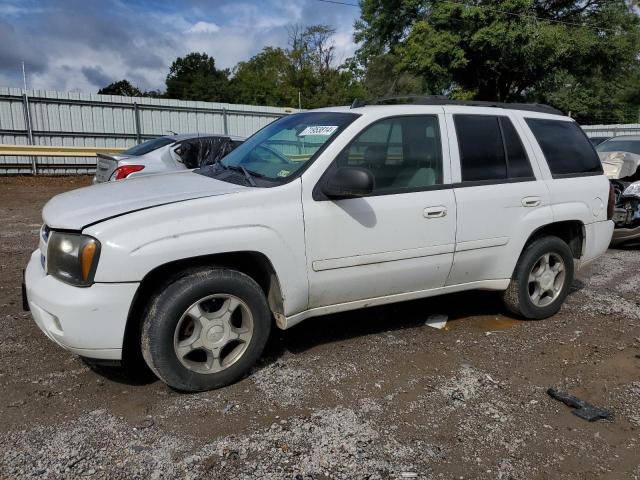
x=34 y=151
x=50 y=118
x=48 y=151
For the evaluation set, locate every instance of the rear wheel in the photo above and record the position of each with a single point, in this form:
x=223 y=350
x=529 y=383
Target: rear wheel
x=541 y=279
x=206 y=329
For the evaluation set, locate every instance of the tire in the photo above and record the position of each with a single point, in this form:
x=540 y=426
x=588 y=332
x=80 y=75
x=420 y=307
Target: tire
x=195 y=313
x=531 y=277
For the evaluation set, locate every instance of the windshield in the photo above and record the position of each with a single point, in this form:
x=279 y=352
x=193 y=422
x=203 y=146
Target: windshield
x=632 y=146
x=149 y=146
x=285 y=146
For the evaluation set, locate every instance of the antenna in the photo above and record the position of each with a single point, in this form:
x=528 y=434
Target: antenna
x=24 y=77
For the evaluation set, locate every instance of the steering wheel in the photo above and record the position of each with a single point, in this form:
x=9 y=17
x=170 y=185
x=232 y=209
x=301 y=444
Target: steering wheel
x=280 y=156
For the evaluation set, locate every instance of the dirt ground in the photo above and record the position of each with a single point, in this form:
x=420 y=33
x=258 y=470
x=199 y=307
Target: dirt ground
x=368 y=394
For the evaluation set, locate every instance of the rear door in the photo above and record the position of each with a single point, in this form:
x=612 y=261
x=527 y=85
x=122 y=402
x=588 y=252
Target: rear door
x=499 y=192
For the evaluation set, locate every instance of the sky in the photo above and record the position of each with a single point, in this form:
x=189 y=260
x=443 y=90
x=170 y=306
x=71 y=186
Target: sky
x=83 y=45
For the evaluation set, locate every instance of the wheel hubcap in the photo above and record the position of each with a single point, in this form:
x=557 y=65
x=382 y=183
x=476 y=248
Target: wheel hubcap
x=546 y=279
x=213 y=333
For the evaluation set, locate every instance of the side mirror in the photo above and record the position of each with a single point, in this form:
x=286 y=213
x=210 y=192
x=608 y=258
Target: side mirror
x=348 y=182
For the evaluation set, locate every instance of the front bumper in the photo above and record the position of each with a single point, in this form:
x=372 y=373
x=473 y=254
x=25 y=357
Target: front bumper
x=622 y=235
x=86 y=321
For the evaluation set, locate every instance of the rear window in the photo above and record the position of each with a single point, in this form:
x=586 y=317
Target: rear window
x=149 y=146
x=518 y=162
x=481 y=151
x=615 y=145
x=565 y=146
x=490 y=149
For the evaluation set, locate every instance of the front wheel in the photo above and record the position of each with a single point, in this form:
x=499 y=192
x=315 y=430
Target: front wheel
x=541 y=279
x=206 y=329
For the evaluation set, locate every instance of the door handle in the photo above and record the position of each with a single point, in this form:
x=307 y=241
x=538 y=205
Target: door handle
x=530 y=201
x=434 y=212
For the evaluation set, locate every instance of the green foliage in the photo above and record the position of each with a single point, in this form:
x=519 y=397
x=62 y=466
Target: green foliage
x=302 y=74
x=506 y=50
x=195 y=77
x=122 y=87
x=277 y=76
x=264 y=80
x=580 y=56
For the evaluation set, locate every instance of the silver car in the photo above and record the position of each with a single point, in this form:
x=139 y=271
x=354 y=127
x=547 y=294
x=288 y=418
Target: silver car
x=620 y=158
x=164 y=154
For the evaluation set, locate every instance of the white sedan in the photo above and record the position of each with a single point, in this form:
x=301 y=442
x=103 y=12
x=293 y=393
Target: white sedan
x=163 y=155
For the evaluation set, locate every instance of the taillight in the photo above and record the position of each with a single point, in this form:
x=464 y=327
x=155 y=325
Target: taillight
x=125 y=171
x=612 y=201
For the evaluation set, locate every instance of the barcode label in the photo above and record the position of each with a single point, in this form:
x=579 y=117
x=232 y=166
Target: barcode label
x=325 y=130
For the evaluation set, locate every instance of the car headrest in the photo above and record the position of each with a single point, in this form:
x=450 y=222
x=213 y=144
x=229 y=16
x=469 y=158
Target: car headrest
x=375 y=155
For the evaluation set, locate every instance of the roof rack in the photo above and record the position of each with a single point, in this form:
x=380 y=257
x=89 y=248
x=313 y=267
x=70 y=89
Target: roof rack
x=442 y=100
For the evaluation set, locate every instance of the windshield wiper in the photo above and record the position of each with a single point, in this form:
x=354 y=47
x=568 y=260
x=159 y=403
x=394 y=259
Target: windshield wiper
x=249 y=176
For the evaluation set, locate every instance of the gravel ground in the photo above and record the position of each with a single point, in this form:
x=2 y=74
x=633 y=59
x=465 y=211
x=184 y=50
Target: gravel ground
x=368 y=394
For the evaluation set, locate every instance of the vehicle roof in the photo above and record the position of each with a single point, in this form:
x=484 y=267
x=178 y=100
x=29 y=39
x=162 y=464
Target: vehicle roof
x=635 y=138
x=377 y=110
x=186 y=136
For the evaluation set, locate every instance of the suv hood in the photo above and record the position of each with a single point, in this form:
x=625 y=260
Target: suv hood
x=76 y=209
x=618 y=165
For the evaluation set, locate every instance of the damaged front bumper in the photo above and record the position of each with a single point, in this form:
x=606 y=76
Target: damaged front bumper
x=626 y=215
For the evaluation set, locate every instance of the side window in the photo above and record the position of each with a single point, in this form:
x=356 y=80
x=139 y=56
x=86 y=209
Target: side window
x=490 y=149
x=518 y=164
x=189 y=153
x=565 y=146
x=376 y=139
x=402 y=153
x=481 y=150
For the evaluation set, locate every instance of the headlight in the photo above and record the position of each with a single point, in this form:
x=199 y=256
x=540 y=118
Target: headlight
x=73 y=258
x=632 y=190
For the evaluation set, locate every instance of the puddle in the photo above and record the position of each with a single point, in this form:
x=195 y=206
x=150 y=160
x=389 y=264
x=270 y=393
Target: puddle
x=484 y=324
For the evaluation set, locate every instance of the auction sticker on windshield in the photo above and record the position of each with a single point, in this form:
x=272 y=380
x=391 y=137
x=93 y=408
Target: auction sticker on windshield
x=318 y=130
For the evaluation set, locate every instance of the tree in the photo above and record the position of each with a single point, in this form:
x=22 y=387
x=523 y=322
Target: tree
x=264 y=79
x=506 y=50
x=313 y=74
x=195 y=77
x=382 y=78
x=122 y=87
x=307 y=68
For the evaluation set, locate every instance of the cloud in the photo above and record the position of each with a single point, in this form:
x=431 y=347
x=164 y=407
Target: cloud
x=84 y=45
x=16 y=9
x=203 y=27
x=96 y=76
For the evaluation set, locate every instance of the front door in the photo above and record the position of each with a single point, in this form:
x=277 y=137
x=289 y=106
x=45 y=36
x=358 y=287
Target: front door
x=400 y=238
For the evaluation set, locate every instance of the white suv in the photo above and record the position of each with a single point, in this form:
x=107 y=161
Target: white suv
x=320 y=212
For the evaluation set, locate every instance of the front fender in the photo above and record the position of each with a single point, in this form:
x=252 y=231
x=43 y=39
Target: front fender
x=135 y=244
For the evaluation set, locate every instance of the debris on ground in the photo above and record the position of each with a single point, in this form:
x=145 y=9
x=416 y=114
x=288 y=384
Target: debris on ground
x=438 y=321
x=146 y=423
x=582 y=409
x=461 y=404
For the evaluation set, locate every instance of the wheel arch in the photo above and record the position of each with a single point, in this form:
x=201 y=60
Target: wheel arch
x=572 y=232
x=252 y=263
